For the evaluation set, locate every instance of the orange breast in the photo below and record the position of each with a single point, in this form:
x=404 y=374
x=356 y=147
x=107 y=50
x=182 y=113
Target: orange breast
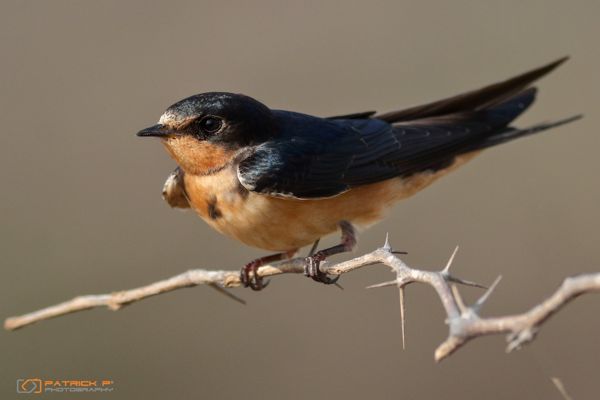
x=197 y=157
x=282 y=224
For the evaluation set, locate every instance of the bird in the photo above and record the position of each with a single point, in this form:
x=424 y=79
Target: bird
x=281 y=180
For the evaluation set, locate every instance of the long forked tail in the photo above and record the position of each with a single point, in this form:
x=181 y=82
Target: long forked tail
x=502 y=114
x=514 y=133
x=435 y=141
x=473 y=100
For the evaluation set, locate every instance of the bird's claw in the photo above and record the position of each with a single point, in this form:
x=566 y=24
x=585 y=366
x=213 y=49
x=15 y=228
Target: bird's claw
x=311 y=269
x=255 y=282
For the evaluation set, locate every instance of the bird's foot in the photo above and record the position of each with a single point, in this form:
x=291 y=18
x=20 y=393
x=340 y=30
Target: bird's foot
x=249 y=275
x=313 y=261
x=311 y=269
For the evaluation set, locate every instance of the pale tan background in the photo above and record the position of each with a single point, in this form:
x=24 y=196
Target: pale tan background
x=81 y=210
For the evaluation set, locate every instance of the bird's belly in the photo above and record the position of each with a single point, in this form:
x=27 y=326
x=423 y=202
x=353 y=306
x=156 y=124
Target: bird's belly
x=283 y=224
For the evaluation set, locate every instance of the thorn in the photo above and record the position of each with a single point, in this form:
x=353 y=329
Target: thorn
x=517 y=339
x=227 y=293
x=384 y=284
x=477 y=306
x=402 y=316
x=386 y=245
x=561 y=388
x=459 y=301
x=399 y=252
x=465 y=282
x=450 y=261
x=338 y=286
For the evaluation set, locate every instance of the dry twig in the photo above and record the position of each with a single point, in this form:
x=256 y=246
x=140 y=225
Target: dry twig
x=464 y=322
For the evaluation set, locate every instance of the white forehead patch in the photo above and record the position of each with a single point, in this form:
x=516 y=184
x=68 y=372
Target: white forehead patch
x=184 y=111
x=170 y=118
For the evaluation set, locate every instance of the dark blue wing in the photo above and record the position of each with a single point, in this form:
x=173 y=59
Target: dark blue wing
x=358 y=115
x=312 y=156
x=316 y=157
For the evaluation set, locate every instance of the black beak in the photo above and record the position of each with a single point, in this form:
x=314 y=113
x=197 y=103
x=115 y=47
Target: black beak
x=158 y=130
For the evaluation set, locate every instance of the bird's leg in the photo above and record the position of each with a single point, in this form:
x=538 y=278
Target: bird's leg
x=256 y=282
x=313 y=249
x=314 y=261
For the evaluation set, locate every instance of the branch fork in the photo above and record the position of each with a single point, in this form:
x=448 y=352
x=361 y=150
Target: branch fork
x=464 y=322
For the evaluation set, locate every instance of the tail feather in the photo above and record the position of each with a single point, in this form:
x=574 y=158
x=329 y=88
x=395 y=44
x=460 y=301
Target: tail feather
x=502 y=114
x=512 y=133
x=473 y=100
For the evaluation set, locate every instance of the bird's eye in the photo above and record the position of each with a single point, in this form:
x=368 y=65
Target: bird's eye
x=210 y=124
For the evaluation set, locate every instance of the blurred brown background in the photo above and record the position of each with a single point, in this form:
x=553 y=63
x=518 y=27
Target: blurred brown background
x=81 y=210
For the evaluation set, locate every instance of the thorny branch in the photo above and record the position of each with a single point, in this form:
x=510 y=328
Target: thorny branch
x=465 y=322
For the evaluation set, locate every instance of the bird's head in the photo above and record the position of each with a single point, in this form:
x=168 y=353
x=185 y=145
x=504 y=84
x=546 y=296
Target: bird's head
x=203 y=133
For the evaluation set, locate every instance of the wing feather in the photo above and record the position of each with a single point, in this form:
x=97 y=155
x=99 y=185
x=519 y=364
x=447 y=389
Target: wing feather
x=324 y=157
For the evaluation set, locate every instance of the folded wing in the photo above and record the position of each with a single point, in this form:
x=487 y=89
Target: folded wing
x=316 y=158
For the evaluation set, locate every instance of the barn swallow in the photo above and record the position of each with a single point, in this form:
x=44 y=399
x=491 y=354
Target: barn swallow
x=281 y=180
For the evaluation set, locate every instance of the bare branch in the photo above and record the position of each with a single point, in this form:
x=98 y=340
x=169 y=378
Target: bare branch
x=464 y=321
